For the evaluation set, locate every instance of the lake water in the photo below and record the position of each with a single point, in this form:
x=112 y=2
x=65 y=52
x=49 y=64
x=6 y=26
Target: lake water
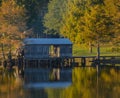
x=86 y=83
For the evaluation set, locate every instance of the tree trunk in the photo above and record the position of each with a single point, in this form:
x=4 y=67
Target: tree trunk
x=90 y=47
x=3 y=54
x=98 y=52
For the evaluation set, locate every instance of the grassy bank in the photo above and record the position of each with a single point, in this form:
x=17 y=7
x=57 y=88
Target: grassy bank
x=105 y=51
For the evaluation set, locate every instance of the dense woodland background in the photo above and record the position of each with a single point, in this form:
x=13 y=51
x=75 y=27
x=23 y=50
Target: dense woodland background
x=84 y=22
x=87 y=23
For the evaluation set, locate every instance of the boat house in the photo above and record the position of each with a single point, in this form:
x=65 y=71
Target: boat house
x=38 y=48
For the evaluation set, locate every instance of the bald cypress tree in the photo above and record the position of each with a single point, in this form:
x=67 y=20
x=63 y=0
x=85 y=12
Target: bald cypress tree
x=72 y=24
x=12 y=23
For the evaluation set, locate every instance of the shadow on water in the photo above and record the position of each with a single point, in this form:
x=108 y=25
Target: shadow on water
x=86 y=83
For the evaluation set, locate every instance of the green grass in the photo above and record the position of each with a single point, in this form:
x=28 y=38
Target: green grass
x=84 y=51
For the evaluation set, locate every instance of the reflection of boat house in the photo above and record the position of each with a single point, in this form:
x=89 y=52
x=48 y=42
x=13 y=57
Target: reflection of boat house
x=41 y=55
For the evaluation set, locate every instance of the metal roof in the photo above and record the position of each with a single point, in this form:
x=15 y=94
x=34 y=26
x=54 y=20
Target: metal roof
x=47 y=41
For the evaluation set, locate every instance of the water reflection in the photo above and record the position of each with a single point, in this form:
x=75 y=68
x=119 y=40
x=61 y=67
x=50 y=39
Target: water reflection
x=85 y=84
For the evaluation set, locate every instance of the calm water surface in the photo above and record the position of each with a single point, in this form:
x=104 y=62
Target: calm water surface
x=86 y=83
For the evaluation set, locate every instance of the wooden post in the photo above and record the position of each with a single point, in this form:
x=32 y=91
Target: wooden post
x=83 y=61
x=113 y=63
x=73 y=64
x=103 y=61
x=62 y=63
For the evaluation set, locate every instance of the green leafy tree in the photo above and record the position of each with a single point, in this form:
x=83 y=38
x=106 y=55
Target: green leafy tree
x=53 y=19
x=84 y=21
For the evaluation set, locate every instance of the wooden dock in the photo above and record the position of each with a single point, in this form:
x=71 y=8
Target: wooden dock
x=70 y=62
x=85 y=61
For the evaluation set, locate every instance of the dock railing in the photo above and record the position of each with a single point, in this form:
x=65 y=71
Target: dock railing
x=93 y=61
